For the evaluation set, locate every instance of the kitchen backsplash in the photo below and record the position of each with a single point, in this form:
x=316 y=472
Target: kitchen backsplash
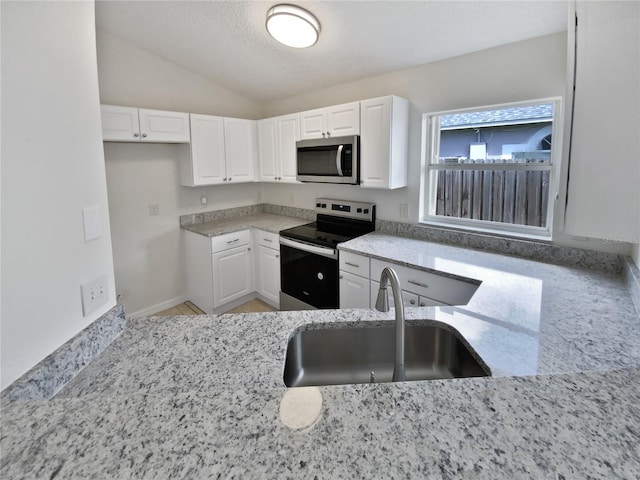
x=556 y=254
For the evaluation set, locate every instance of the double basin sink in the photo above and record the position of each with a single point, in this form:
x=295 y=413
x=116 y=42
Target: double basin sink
x=335 y=354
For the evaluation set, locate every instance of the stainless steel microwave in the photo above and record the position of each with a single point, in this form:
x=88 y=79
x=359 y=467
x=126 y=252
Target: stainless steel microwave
x=329 y=160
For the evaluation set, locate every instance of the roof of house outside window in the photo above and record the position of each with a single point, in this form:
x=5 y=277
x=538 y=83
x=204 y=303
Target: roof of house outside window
x=542 y=112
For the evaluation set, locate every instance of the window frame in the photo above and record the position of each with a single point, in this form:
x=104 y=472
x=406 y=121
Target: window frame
x=428 y=181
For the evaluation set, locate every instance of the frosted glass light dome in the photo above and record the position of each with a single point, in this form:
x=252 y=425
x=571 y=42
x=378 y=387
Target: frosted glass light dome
x=293 y=26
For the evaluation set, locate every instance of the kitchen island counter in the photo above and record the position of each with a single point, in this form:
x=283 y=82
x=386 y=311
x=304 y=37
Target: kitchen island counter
x=200 y=396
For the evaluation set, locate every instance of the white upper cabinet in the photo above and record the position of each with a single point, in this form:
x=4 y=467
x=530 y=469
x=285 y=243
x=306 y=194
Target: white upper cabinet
x=335 y=121
x=223 y=150
x=384 y=142
x=128 y=124
x=604 y=167
x=277 y=148
x=240 y=149
x=207 y=165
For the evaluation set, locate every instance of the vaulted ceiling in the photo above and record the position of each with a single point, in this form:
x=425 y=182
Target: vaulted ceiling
x=226 y=41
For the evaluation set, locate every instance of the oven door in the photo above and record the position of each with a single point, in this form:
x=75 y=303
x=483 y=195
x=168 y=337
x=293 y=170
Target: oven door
x=309 y=273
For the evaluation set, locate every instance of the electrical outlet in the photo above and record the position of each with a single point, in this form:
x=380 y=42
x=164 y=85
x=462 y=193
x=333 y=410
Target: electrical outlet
x=404 y=210
x=154 y=209
x=94 y=294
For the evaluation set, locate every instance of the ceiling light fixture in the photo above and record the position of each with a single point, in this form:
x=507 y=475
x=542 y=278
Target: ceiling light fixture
x=293 y=26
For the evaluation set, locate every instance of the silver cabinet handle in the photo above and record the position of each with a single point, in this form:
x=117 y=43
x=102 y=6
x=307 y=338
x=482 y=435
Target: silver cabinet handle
x=277 y=256
x=352 y=265
x=229 y=178
x=413 y=282
x=422 y=304
x=412 y=302
x=267 y=240
x=233 y=241
x=144 y=135
x=323 y=135
x=328 y=134
x=224 y=179
x=136 y=135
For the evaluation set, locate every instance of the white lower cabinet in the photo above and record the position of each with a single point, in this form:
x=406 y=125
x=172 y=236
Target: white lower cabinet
x=354 y=280
x=268 y=266
x=227 y=270
x=425 y=289
x=232 y=274
x=219 y=269
x=409 y=299
x=354 y=291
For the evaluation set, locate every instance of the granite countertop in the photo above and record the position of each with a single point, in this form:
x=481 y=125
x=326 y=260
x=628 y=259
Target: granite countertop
x=263 y=221
x=200 y=396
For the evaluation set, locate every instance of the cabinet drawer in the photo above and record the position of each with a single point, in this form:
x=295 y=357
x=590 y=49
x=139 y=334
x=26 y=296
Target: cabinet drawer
x=268 y=239
x=357 y=264
x=230 y=240
x=443 y=289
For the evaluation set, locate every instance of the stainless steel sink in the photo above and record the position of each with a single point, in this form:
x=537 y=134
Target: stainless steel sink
x=335 y=355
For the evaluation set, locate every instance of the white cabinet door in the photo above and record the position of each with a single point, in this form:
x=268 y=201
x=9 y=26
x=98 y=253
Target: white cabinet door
x=604 y=171
x=199 y=270
x=313 y=124
x=343 y=120
x=120 y=124
x=335 y=121
x=384 y=143
x=232 y=274
x=240 y=149
x=409 y=299
x=207 y=163
x=269 y=274
x=277 y=156
x=267 y=149
x=130 y=124
x=354 y=291
x=163 y=127
x=288 y=134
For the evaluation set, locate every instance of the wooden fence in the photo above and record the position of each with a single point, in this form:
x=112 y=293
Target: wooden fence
x=518 y=197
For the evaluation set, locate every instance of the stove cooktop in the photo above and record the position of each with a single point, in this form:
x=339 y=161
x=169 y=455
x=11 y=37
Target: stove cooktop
x=336 y=221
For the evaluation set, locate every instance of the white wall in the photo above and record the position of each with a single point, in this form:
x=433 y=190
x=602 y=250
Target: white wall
x=132 y=76
x=525 y=70
x=147 y=250
x=52 y=167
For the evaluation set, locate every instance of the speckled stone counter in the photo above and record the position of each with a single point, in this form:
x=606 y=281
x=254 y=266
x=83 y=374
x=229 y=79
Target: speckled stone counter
x=262 y=221
x=199 y=397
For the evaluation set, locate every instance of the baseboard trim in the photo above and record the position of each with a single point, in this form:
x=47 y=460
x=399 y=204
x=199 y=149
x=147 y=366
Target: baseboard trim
x=158 y=307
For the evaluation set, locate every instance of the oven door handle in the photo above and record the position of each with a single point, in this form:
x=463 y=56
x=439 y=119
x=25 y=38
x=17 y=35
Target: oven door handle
x=307 y=247
x=339 y=160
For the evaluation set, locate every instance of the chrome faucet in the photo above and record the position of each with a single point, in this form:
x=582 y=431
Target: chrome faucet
x=382 y=304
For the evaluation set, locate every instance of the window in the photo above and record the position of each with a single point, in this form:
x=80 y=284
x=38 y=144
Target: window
x=492 y=168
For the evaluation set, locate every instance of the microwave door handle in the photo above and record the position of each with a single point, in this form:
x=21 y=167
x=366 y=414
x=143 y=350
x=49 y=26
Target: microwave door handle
x=339 y=160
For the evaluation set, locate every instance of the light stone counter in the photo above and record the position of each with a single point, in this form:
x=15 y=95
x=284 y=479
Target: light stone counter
x=198 y=397
x=263 y=221
x=526 y=317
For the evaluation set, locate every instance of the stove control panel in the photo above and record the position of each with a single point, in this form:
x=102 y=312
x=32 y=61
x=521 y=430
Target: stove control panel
x=346 y=208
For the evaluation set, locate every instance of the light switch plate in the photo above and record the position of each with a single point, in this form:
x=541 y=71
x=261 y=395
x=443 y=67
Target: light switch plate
x=92 y=221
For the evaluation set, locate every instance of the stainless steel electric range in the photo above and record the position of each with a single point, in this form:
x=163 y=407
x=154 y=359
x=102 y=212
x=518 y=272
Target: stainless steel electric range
x=309 y=253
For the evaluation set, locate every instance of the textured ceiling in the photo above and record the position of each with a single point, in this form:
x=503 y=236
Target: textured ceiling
x=226 y=41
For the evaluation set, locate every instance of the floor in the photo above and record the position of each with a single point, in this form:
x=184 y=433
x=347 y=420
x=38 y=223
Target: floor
x=189 y=308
